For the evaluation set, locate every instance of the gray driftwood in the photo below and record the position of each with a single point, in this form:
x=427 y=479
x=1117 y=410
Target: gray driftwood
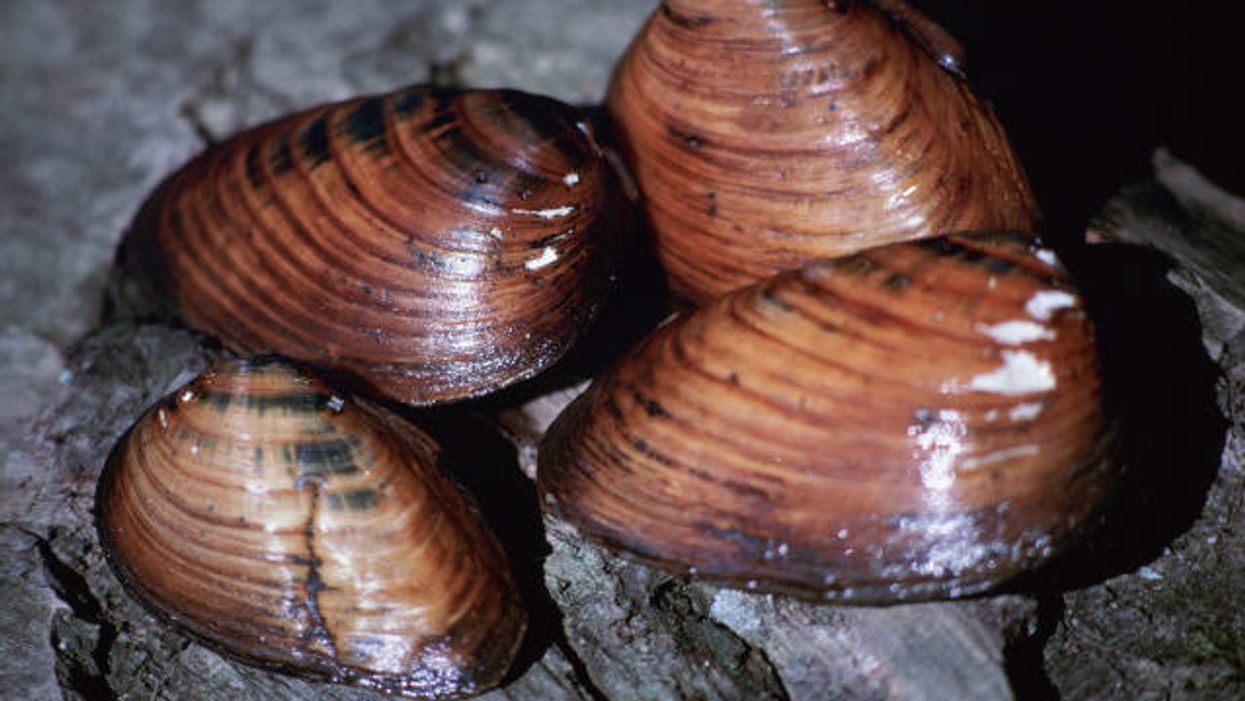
x=615 y=630
x=102 y=103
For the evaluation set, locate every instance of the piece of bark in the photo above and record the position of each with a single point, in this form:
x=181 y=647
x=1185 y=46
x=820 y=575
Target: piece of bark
x=1202 y=228
x=947 y=650
x=643 y=635
x=103 y=644
x=616 y=630
x=621 y=630
x=1172 y=625
x=147 y=84
x=26 y=617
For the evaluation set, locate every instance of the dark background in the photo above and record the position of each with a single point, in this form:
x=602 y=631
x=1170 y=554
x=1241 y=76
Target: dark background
x=1087 y=91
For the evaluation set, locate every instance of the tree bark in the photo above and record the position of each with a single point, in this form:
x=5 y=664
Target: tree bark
x=1149 y=608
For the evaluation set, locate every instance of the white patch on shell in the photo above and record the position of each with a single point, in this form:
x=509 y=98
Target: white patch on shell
x=571 y=179
x=1016 y=332
x=952 y=545
x=669 y=318
x=899 y=199
x=1020 y=373
x=551 y=213
x=1027 y=411
x=1044 y=303
x=465 y=266
x=187 y=395
x=495 y=232
x=547 y=256
x=1019 y=451
x=1048 y=257
x=938 y=447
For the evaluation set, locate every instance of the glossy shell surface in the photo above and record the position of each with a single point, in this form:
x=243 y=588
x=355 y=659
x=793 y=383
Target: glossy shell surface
x=431 y=244
x=767 y=135
x=301 y=530
x=921 y=420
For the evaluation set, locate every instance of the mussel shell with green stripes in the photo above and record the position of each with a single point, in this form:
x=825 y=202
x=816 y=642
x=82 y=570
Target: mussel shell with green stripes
x=297 y=528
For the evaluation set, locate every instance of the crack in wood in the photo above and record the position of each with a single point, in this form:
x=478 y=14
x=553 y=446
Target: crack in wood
x=579 y=670
x=87 y=677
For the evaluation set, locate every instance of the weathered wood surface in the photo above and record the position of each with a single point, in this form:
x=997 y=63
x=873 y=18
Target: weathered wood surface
x=609 y=629
x=614 y=630
x=1170 y=624
x=1150 y=610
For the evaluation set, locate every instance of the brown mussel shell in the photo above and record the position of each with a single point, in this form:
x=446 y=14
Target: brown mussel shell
x=921 y=420
x=764 y=136
x=301 y=530
x=433 y=244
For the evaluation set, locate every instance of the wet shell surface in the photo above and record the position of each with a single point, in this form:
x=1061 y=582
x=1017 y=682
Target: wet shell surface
x=767 y=135
x=921 y=420
x=432 y=244
x=302 y=530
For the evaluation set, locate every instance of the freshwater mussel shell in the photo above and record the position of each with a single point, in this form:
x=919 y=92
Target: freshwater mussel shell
x=765 y=136
x=428 y=244
x=295 y=528
x=920 y=420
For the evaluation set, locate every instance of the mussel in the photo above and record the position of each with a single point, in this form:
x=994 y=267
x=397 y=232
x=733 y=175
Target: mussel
x=428 y=244
x=920 y=420
x=764 y=136
x=299 y=529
